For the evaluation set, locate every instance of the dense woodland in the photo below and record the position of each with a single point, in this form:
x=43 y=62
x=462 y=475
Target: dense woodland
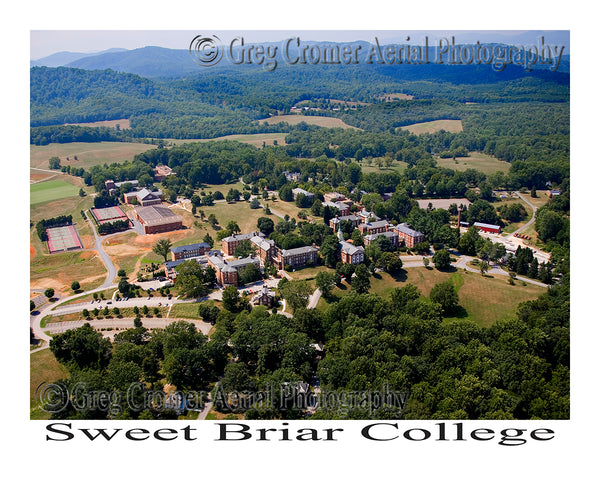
x=518 y=368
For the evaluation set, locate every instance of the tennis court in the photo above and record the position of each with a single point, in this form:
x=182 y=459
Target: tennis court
x=108 y=214
x=62 y=239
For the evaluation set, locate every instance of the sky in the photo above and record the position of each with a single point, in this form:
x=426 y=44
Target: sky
x=47 y=42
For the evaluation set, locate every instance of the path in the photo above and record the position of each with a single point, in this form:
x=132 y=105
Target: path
x=533 y=207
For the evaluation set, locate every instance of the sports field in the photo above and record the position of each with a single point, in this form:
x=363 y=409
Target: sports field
x=51 y=190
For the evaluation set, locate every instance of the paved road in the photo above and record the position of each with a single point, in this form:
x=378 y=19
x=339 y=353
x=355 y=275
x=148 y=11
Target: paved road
x=314 y=299
x=125 y=323
x=533 y=207
x=110 y=267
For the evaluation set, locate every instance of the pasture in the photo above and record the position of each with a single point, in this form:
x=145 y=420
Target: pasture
x=477 y=160
x=327 y=122
x=452 y=126
x=88 y=154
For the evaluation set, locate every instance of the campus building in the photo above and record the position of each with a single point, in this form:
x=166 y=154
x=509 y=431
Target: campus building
x=264 y=248
x=334 y=222
x=229 y=244
x=143 y=197
x=408 y=235
x=391 y=234
x=189 y=251
x=265 y=296
x=161 y=172
x=227 y=270
x=297 y=257
x=350 y=253
x=342 y=208
x=155 y=219
x=306 y=193
x=371 y=228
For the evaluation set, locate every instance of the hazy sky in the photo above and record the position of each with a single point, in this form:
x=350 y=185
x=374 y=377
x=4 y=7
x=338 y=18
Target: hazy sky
x=47 y=42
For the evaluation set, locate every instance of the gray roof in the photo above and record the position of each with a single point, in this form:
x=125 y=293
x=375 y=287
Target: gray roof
x=304 y=192
x=373 y=236
x=192 y=246
x=351 y=218
x=486 y=225
x=243 y=236
x=404 y=228
x=350 y=248
x=378 y=223
x=298 y=251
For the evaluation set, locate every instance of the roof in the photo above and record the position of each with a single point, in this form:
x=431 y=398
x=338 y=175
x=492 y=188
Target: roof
x=351 y=218
x=242 y=236
x=156 y=215
x=192 y=246
x=351 y=249
x=486 y=225
x=173 y=263
x=304 y=192
x=263 y=243
x=298 y=251
x=373 y=236
x=377 y=224
x=233 y=265
x=404 y=228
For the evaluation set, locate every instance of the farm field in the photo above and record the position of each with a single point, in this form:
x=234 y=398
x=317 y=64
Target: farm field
x=483 y=300
x=452 y=126
x=327 y=122
x=477 y=160
x=88 y=154
x=51 y=190
x=43 y=367
x=256 y=139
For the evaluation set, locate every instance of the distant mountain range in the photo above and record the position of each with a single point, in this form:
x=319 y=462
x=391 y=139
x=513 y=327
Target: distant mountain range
x=152 y=61
x=60 y=59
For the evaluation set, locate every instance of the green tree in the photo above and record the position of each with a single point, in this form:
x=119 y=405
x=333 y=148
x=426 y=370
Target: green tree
x=360 y=281
x=49 y=292
x=244 y=248
x=75 y=286
x=329 y=250
x=208 y=312
x=444 y=294
x=233 y=227
x=441 y=259
x=231 y=298
x=265 y=225
x=191 y=279
x=255 y=203
x=325 y=282
x=296 y=293
x=162 y=247
x=208 y=239
x=82 y=347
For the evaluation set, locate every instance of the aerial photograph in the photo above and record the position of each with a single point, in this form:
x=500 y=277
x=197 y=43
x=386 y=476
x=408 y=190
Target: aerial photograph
x=300 y=225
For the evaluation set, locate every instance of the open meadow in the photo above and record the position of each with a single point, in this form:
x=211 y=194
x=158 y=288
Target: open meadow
x=295 y=119
x=88 y=154
x=452 y=126
x=477 y=160
x=43 y=368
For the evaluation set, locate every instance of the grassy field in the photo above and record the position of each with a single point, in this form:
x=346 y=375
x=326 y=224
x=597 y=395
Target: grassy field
x=327 y=122
x=51 y=190
x=477 y=160
x=43 y=367
x=88 y=154
x=256 y=139
x=452 y=126
x=185 y=310
x=483 y=300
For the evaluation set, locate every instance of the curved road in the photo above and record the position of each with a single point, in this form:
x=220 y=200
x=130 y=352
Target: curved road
x=533 y=207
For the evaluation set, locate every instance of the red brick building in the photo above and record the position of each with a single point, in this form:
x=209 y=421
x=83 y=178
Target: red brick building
x=157 y=219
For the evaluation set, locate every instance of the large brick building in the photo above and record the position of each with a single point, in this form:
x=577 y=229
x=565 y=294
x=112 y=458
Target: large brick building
x=229 y=244
x=189 y=251
x=371 y=228
x=391 y=234
x=264 y=248
x=334 y=222
x=227 y=270
x=297 y=257
x=155 y=219
x=411 y=237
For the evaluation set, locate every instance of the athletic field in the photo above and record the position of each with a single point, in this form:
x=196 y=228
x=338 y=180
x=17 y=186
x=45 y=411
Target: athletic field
x=51 y=190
